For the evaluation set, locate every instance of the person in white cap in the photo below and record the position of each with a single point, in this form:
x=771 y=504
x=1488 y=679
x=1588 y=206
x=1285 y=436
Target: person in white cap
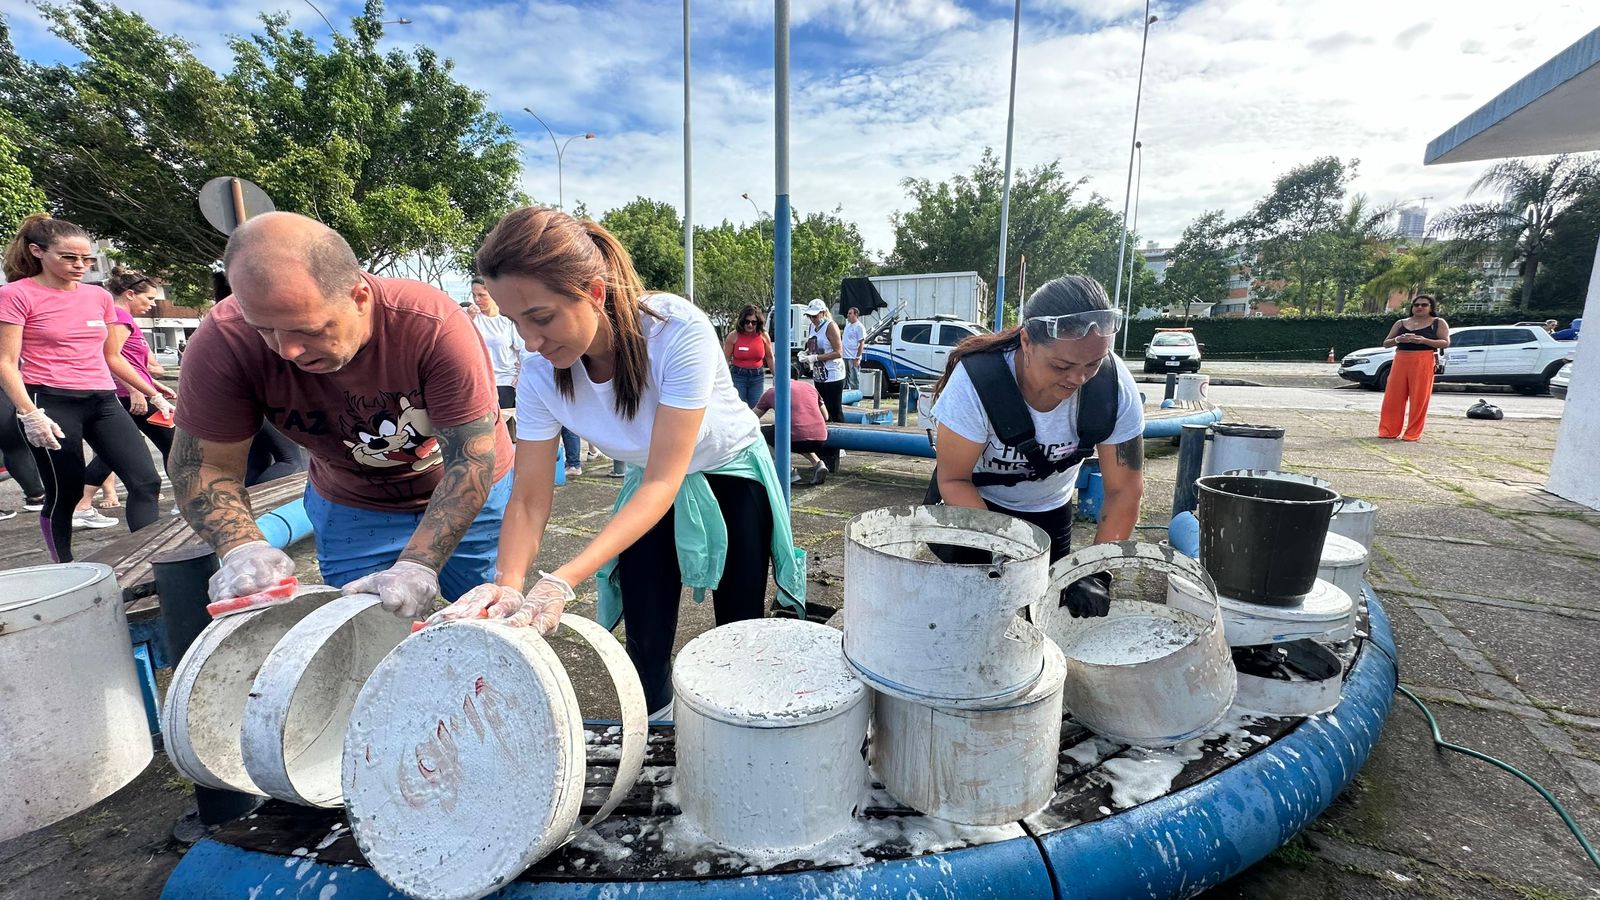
x=826 y=357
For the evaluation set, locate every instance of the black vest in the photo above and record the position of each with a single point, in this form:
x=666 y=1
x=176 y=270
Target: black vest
x=1013 y=424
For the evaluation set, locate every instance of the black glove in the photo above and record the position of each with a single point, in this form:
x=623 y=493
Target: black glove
x=1088 y=596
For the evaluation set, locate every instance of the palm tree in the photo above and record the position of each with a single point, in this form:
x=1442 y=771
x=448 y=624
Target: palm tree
x=1358 y=239
x=1517 y=228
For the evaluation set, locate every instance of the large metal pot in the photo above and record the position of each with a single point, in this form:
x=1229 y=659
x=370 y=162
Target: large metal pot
x=72 y=719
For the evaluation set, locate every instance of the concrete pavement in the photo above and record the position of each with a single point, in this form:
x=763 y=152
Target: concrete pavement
x=1489 y=582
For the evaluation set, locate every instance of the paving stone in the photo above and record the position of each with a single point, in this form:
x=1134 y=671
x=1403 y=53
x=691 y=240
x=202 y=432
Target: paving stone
x=1553 y=658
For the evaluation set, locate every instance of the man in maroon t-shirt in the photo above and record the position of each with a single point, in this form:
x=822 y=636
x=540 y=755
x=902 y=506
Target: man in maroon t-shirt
x=387 y=387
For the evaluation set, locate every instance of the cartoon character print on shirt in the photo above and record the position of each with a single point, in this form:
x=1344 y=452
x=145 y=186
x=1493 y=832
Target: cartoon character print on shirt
x=389 y=432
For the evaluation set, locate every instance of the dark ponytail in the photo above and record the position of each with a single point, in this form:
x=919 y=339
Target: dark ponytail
x=124 y=279
x=40 y=229
x=1059 y=297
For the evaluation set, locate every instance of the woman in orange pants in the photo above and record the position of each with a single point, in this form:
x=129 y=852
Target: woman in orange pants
x=1416 y=341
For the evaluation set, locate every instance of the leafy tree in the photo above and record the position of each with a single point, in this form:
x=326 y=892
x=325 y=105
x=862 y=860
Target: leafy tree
x=1518 y=228
x=732 y=267
x=1289 y=229
x=824 y=249
x=954 y=225
x=18 y=197
x=1201 y=263
x=1356 y=241
x=386 y=148
x=653 y=234
x=1427 y=267
x=1568 y=260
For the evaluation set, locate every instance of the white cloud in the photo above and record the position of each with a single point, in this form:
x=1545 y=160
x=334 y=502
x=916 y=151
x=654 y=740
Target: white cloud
x=1236 y=92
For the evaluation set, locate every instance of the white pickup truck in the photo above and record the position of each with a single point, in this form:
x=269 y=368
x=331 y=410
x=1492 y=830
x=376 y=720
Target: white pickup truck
x=1523 y=357
x=916 y=349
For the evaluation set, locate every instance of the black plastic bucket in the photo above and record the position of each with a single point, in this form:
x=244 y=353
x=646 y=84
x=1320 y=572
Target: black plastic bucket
x=1261 y=538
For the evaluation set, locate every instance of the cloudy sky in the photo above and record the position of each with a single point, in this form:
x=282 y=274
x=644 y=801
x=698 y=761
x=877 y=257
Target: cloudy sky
x=1236 y=91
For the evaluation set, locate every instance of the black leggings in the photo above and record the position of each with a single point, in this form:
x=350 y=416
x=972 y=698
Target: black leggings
x=272 y=456
x=18 y=456
x=95 y=418
x=98 y=469
x=832 y=393
x=651 y=583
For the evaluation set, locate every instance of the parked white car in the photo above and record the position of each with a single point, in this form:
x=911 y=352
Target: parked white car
x=1558 y=384
x=167 y=357
x=1522 y=357
x=1172 y=350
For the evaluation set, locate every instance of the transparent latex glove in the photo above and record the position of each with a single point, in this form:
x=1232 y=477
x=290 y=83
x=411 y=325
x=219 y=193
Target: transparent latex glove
x=486 y=601
x=540 y=607
x=161 y=404
x=247 y=569
x=41 y=430
x=407 y=589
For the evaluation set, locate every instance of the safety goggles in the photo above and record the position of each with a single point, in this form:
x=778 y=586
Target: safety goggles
x=1077 y=325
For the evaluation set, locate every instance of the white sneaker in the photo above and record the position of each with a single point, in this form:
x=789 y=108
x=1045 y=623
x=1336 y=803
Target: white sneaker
x=32 y=505
x=91 y=518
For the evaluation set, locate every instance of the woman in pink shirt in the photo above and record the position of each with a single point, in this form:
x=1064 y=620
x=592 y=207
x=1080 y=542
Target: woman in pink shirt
x=135 y=295
x=58 y=355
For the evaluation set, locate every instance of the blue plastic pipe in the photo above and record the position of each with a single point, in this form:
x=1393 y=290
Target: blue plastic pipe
x=286 y=524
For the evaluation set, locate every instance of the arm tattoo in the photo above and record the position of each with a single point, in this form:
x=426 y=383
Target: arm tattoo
x=1131 y=453
x=216 y=504
x=468 y=451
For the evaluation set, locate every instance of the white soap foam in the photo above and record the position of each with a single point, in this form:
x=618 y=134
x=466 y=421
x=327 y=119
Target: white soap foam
x=1131 y=639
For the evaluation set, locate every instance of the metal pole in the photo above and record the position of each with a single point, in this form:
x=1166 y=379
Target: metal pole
x=1005 y=194
x=688 y=172
x=1191 y=454
x=1138 y=184
x=560 y=197
x=781 y=226
x=1127 y=194
x=181 y=576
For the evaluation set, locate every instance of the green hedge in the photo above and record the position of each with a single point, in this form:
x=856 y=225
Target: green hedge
x=1302 y=337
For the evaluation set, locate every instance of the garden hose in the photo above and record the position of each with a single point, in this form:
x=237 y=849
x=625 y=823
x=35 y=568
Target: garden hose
x=1439 y=741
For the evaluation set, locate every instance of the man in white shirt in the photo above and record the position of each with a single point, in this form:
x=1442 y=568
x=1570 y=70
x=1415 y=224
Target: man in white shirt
x=854 y=340
x=506 y=350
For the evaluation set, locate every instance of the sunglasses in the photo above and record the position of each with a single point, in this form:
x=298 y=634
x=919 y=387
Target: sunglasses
x=72 y=258
x=750 y=322
x=1072 y=326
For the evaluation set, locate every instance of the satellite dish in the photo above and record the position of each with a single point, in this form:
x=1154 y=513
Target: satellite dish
x=227 y=201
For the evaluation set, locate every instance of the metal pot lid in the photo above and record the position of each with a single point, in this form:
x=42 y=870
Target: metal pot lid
x=1298 y=678
x=464 y=760
x=39 y=595
x=1325 y=614
x=767 y=673
x=1339 y=552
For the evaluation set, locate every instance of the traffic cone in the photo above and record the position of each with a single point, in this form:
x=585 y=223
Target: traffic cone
x=1330 y=355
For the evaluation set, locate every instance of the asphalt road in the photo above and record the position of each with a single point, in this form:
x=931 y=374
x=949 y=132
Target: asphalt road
x=1515 y=406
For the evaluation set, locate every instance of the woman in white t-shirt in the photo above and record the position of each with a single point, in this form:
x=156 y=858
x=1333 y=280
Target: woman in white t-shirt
x=1059 y=359
x=643 y=377
x=826 y=358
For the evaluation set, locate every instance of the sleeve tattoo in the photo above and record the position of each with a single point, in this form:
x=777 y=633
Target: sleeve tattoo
x=468 y=451
x=1131 y=454
x=215 y=504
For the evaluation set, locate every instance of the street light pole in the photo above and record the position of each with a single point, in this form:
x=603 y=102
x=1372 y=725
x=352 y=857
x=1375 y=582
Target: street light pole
x=688 y=170
x=760 y=216
x=1005 y=193
x=1127 y=194
x=1138 y=183
x=561 y=150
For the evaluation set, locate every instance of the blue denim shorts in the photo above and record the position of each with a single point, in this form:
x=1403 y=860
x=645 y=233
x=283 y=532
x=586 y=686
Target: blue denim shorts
x=352 y=542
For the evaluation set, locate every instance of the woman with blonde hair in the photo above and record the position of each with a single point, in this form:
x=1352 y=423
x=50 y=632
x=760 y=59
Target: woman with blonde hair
x=642 y=375
x=60 y=360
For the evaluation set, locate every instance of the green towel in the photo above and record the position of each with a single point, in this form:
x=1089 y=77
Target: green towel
x=701 y=535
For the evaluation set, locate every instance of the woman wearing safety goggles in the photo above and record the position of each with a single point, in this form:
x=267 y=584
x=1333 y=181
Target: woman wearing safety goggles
x=1019 y=411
